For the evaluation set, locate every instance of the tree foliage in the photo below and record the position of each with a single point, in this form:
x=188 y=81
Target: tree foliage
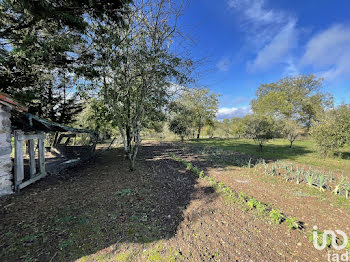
x=297 y=97
x=40 y=44
x=137 y=68
x=333 y=130
x=202 y=105
x=260 y=128
x=291 y=130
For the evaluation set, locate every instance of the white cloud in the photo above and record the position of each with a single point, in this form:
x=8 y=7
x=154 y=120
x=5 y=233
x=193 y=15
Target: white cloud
x=291 y=68
x=229 y=112
x=271 y=32
x=255 y=12
x=329 y=52
x=224 y=64
x=277 y=49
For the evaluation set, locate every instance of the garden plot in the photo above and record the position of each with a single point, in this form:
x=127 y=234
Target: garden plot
x=102 y=212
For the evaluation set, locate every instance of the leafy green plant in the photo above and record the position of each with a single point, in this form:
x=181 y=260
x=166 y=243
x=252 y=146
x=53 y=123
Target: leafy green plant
x=310 y=178
x=252 y=202
x=320 y=238
x=250 y=163
x=297 y=177
x=273 y=171
x=189 y=166
x=243 y=197
x=261 y=208
x=220 y=185
x=292 y=223
x=276 y=216
x=338 y=186
x=195 y=170
x=124 y=192
x=322 y=182
x=266 y=167
x=347 y=189
x=201 y=174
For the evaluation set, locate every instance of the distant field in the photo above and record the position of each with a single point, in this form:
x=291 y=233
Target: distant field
x=303 y=151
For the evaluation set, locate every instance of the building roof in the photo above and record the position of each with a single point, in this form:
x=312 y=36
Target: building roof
x=28 y=122
x=9 y=101
x=44 y=125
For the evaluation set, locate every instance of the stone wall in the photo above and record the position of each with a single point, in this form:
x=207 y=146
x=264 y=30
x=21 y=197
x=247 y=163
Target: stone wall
x=5 y=151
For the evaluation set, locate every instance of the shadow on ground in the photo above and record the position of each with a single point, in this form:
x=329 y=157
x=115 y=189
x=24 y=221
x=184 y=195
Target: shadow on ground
x=97 y=205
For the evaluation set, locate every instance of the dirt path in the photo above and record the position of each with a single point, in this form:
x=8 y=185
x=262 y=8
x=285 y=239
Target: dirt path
x=102 y=212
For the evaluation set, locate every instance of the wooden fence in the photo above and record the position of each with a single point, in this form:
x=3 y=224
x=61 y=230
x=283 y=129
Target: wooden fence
x=34 y=174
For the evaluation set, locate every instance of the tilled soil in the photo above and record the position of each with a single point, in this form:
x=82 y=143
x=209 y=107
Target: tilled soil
x=307 y=204
x=102 y=212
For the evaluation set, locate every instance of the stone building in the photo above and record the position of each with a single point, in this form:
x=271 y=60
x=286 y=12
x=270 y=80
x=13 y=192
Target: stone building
x=7 y=105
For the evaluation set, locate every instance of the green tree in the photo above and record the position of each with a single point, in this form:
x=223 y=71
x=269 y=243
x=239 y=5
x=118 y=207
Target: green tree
x=297 y=97
x=40 y=38
x=333 y=130
x=203 y=106
x=180 y=120
x=260 y=128
x=137 y=69
x=291 y=130
x=238 y=126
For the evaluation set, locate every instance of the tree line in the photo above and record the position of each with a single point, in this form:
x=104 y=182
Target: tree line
x=289 y=108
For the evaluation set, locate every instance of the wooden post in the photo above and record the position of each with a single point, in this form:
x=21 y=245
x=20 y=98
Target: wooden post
x=32 y=164
x=42 y=155
x=19 y=166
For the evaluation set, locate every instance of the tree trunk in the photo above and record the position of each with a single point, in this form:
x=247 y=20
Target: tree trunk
x=291 y=144
x=199 y=133
x=261 y=147
x=110 y=145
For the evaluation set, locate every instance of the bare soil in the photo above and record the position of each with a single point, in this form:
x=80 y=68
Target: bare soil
x=103 y=212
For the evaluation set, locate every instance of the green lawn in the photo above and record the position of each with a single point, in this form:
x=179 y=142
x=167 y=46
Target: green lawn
x=303 y=151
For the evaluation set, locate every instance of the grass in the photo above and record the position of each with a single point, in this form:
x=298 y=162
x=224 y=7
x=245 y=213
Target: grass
x=303 y=151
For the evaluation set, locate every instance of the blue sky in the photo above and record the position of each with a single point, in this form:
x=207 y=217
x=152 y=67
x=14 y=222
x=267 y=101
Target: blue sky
x=249 y=42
